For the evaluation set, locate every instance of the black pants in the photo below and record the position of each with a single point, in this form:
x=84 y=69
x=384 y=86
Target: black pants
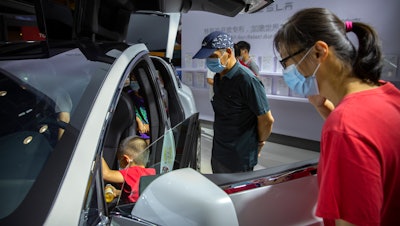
x=218 y=167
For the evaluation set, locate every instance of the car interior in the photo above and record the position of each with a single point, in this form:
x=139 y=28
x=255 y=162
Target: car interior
x=122 y=125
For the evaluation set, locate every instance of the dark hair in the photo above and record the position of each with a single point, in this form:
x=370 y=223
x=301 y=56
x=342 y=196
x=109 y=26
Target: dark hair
x=136 y=148
x=243 y=45
x=236 y=49
x=308 y=26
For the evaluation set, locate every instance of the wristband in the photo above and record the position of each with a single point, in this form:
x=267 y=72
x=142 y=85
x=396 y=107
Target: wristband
x=261 y=143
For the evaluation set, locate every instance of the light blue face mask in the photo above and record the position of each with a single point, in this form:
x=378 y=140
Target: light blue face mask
x=134 y=85
x=214 y=64
x=306 y=86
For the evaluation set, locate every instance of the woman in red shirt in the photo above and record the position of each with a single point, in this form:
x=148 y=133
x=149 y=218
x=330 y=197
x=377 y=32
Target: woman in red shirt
x=359 y=169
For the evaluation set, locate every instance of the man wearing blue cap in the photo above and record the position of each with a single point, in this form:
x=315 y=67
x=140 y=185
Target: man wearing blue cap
x=243 y=120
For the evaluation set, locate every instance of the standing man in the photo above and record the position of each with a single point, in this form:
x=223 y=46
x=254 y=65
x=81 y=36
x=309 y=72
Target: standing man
x=243 y=120
x=244 y=50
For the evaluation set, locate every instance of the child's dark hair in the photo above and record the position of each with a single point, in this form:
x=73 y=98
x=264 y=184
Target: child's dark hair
x=243 y=45
x=308 y=26
x=136 y=148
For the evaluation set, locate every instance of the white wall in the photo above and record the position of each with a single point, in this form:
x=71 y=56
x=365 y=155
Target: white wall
x=293 y=118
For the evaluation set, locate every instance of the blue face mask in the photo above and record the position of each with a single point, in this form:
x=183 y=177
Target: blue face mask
x=300 y=84
x=306 y=86
x=134 y=85
x=214 y=64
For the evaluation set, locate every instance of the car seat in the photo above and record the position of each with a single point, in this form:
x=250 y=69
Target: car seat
x=122 y=125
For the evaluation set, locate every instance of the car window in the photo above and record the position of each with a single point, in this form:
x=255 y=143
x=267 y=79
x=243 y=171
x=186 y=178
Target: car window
x=175 y=154
x=39 y=100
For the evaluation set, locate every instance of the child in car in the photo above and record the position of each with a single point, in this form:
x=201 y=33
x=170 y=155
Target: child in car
x=133 y=157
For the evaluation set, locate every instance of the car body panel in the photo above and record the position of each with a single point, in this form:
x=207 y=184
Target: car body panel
x=281 y=195
x=284 y=195
x=280 y=204
x=196 y=194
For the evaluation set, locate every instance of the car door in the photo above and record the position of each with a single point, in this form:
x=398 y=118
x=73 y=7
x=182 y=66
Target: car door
x=171 y=148
x=176 y=149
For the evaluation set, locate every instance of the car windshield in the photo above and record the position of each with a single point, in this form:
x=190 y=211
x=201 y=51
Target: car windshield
x=40 y=100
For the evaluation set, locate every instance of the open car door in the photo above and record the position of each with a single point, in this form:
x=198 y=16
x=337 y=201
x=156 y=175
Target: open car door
x=170 y=148
x=175 y=150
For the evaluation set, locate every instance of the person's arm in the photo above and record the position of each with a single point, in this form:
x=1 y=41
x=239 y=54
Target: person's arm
x=264 y=128
x=254 y=67
x=63 y=108
x=142 y=128
x=113 y=176
x=210 y=81
x=210 y=77
x=322 y=105
x=64 y=117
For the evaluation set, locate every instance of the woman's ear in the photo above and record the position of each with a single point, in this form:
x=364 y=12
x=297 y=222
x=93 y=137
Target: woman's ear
x=321 y=50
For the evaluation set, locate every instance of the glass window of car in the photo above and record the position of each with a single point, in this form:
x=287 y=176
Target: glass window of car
x=39 y=98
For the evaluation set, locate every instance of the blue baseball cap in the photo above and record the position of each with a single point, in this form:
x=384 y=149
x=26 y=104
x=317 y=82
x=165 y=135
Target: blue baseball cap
x=214 y=41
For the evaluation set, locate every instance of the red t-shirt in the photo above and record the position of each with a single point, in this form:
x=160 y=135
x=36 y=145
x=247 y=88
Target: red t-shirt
x=132 y=177
x=359 y=168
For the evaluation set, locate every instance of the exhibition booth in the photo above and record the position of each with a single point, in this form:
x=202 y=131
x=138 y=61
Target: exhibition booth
x=294 y=116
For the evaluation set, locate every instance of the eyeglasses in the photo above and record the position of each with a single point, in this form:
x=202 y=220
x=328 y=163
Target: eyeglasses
x=283 y=61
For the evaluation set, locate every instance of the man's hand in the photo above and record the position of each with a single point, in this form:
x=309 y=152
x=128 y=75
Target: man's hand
x=260 y=146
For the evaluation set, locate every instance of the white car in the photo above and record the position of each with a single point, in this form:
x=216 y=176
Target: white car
x=64 y=105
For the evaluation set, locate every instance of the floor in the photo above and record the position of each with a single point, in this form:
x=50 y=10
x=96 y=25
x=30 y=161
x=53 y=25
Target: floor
x=272 y=154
